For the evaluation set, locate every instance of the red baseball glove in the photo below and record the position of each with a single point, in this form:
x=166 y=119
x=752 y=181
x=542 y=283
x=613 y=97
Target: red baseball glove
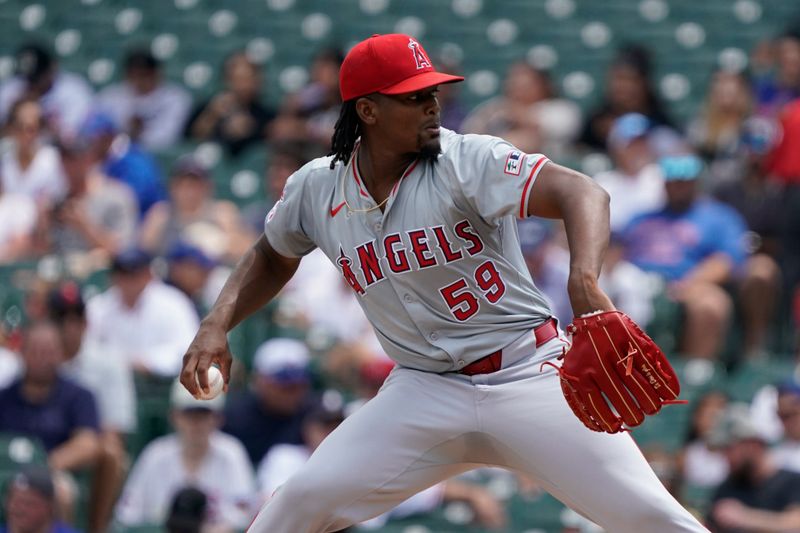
x=614 y=374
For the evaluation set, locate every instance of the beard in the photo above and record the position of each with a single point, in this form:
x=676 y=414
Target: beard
x=429 y=152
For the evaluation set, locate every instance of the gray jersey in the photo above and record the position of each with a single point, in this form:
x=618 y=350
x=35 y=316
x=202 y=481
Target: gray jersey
x=439 y=273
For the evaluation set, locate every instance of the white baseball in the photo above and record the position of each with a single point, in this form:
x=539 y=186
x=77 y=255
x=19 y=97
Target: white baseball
x=215 y=384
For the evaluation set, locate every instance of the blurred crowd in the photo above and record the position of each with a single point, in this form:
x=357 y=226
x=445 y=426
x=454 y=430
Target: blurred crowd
x=705 y=218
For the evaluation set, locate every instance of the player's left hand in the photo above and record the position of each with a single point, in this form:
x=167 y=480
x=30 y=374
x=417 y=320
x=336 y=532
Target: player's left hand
x=614 y=374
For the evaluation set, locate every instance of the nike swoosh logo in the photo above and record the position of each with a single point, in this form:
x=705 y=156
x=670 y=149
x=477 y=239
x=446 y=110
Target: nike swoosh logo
x=336 y=209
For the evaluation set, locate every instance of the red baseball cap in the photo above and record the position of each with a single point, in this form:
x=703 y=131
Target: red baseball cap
x=388 y=64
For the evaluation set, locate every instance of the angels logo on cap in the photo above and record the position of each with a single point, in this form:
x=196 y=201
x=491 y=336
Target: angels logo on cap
x=380 y=64
x=420 y=58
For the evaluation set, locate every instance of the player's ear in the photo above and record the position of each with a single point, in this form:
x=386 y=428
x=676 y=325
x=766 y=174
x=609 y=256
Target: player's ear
x=367 y=110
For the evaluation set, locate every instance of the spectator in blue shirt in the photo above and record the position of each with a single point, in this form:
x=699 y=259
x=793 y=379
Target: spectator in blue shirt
x=697 y=245
x=45 y=405
x=123 y=159
x=271 y=411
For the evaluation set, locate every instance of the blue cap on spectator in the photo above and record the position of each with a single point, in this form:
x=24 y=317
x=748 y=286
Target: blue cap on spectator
x=627 y=128
x=183 y=251
x=284 y=360
x=684 y=167
x=97 y=124
x=759 y=134
x=131 y=260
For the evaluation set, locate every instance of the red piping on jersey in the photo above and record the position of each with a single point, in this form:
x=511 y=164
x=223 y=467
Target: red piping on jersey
x=528 y=184
x=408 y=171
x=355 y=173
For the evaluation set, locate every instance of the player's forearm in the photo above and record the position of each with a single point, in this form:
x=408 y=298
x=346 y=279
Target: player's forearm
x=560 y=192
x=257 y=278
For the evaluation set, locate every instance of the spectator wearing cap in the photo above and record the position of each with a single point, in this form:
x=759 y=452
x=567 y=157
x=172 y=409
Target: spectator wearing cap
x=30 y=166
x=757 y=496
x=195 y=274
x=98 y=216
x=44 y=404
x=696 y=244
x=191 y=214
x=30 y=503
x=235 y=117
x=149 y=322
x=66 y=98
x=150 y=110
x=635 y=184
x=271 y=411
x=103 y=371
x=196 y=455
x=786 y=453
x=123 y=159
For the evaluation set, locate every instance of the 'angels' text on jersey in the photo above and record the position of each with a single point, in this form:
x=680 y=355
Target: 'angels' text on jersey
x=396 y=250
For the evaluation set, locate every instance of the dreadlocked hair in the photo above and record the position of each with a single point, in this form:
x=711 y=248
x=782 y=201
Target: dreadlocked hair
x=345 y=133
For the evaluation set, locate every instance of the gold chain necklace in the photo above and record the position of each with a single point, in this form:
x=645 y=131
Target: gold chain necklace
x=367 y=210
x=344 y=195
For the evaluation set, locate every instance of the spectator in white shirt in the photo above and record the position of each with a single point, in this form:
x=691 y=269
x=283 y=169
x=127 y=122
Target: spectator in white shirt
x=151 y=111
x=196 y=455
x=28 y=166
x=65 y=97
x=149 y=322
x=18 y=217
x=105 y=373
x=635 y=184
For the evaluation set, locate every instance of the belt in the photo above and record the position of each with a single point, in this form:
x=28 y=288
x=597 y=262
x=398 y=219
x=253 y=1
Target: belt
x=487 y=364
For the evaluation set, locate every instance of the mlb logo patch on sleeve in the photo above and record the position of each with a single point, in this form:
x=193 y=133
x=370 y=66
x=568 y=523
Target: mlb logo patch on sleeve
x=514 y=162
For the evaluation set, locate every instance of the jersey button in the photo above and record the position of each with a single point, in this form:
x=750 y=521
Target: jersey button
x=461 y=363
x=408 y=298
x=378 y=226
x=434 y=336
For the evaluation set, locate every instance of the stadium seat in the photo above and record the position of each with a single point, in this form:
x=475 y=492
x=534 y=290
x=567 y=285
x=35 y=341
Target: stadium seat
x=750 y=376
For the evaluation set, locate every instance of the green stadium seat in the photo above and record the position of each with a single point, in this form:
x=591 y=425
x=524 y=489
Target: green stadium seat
x=17 y=450
x=152 y=411
x=750 y=376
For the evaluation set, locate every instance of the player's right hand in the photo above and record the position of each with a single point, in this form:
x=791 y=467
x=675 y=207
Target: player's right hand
x=209 y=346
